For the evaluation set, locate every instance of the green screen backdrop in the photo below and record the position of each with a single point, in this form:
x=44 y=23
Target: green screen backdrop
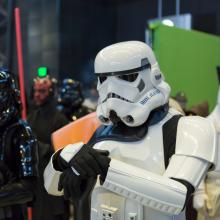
x=188 y=60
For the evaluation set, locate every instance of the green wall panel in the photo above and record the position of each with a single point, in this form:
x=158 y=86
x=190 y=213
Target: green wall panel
x=188 y=60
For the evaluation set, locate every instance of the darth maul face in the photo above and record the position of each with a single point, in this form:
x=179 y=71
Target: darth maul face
x=41 y=94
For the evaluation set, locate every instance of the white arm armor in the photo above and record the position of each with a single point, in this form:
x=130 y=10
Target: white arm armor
x=149 y=189
x=51 y=179
x=51 y=176
x=195 y=151
x=196 y=137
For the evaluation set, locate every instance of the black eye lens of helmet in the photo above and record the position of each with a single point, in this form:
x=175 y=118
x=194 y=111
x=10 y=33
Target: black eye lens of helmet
x=102 y=78
x=130 y=77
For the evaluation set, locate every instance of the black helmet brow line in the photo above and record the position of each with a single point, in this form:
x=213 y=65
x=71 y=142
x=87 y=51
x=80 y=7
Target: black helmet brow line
x=124 y=72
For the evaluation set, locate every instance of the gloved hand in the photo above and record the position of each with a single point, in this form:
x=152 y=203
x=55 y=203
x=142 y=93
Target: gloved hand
x=90 y=162
x=76 y=188
x=79 y=178
x=85 y=161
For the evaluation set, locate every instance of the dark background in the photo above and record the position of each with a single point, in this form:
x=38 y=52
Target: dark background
x=65 y=35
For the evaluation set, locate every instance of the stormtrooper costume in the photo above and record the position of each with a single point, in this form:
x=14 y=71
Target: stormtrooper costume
x=157 y=157
x=207 y=198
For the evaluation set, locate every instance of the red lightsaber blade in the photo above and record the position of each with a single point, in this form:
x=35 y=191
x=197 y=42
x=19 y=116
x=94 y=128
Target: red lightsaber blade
x=20 y=61
x=21 y=74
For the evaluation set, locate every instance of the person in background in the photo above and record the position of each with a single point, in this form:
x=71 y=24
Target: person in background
x=44 y=119
x=207 y=198
x=70 y=100
x=18 y=152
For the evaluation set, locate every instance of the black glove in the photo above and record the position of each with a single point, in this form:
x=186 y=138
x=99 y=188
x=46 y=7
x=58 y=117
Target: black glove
x=75 y=187
x=78 y=189
x=89 y=162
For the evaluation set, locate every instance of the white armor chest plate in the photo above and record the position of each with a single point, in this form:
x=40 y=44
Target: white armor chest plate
x=147 y=154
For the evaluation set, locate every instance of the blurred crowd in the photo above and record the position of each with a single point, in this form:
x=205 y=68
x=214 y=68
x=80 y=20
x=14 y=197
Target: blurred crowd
x=26 y=145
x=52 y=105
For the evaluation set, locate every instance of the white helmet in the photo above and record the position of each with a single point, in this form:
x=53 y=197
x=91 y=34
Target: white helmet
x=130 y=83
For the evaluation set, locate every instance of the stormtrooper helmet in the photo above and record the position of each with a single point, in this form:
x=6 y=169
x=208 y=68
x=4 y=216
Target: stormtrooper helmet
x=130 y=83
